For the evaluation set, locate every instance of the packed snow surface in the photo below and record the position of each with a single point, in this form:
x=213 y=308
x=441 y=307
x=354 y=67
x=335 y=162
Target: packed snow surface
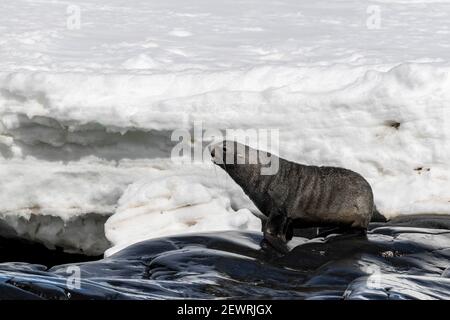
x=91 y=91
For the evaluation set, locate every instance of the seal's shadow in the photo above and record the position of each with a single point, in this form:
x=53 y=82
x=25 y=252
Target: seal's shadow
x=309 y=253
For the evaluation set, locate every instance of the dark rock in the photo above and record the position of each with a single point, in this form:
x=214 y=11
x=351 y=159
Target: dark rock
x=401 y=259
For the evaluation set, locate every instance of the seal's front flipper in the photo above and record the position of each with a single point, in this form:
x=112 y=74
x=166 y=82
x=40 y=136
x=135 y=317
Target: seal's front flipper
x=278 y=226
x=277 y=232
x=274 y=245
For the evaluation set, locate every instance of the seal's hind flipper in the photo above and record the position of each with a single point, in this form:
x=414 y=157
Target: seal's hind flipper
x=377 y=216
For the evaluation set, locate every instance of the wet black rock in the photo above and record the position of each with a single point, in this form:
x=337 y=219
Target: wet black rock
x=404 y=259
x=21 y=250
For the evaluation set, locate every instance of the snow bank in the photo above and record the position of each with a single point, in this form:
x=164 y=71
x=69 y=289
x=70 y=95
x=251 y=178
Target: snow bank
x=185 y=199
x=61 y=204
x=86 y=115
x=66 y=205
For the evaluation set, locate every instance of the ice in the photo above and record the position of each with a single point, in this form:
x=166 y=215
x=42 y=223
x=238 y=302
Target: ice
x=176 y=201
x=86 y=114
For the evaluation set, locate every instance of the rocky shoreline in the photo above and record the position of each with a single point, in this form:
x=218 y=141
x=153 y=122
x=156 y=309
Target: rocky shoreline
x=406 y=258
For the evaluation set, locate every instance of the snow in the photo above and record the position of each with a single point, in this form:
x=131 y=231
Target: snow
x=179 y=200
x=86 y=114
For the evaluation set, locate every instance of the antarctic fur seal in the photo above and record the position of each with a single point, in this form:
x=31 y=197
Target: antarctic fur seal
x=297 y=196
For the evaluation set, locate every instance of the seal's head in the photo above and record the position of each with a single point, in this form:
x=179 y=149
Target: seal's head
x=229 y=154
x=249 y=168
x=239 y=160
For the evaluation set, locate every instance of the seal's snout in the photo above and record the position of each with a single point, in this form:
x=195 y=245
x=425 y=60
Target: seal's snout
x=215 y=152
x=218 y=153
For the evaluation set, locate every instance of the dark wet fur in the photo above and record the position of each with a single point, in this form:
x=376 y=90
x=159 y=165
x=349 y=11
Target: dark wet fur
x=302 y=196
